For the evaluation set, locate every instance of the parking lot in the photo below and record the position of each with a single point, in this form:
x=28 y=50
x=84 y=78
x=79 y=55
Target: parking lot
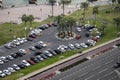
x=51 y=42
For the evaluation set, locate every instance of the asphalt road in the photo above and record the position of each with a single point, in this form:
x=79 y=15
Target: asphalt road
x=48 y=36
x=99 y=68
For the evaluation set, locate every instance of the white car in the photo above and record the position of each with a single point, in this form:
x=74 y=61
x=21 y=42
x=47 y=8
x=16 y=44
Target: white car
x=71 y=46
x=91 y=42
x=83 y=45
x=78 y=29
x=7 y=72
x=22 y=51
x=11 y=69
x=77 y=45
x=42 y=43
x=24 y=62
x=1 y=62
x=16 y=67
x=2 y=74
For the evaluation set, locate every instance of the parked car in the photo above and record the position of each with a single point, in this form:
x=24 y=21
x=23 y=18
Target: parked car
x=71 y=46
x=78 y=29
x=44 y=56
x=77 y=45
x=7 y=72
x=78 y=36
x=14 y=55
x=9 y=57
x=40 y=58
x=34 y=59
x=29 y=39
x=32 y=48
x=25 y=63
x=23 y=51
x=11 y=69
x=57 y=51
x=38 y=46
x=37 y=53
x=32 y=35
x=1 y=62
x=31 y=62
x=51 y=51
x=2 y=74
x=83 y=45
x=22 y=66
x=3 y=58
x=42 y=43
x=16 y=67
x=47 y=53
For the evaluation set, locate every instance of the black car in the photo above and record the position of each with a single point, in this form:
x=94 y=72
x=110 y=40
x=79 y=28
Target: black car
x=14 y=55
x=43 y=56
x=38 y=46
x=57 y=51
x=34 y=59
x=52 y=52
x=29 y=39
x=22 y=66
x=37 y=53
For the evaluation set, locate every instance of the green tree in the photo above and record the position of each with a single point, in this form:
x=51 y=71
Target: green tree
x=30 y=19
x=24 y=18
x=65 y=2
x=84 y=6
x=52 y=2
x=95 y=11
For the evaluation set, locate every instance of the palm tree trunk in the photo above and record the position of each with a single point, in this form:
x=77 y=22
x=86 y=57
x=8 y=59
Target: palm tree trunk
x=95 y=20
x=52 y=10
x=84 y=16
x=63 y=9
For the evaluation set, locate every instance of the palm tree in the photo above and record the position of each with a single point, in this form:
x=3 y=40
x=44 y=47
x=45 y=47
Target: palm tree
x=84 y=6
x=95 y=11
x=113 y=1
x=117 y=23
x=52 y=2
x=30 y=19
x=24 y=18
x=66 y=26
x=65 y=2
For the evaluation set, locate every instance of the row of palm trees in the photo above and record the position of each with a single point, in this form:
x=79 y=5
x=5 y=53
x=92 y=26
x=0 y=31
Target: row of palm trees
x=26 y=19
x=63 y=2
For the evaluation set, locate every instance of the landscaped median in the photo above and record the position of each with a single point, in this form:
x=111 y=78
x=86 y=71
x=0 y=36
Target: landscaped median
x=63 y=60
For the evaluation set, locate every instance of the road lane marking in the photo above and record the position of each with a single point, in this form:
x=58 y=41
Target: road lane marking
x=89 y=77
x=83 y=74
x=109 y=62
x=118 y=73
x=108 y=74
x=96 y=68
x=102 y=70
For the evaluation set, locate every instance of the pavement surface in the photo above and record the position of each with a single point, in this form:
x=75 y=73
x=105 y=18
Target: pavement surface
x=99 y=68
x=40 y=12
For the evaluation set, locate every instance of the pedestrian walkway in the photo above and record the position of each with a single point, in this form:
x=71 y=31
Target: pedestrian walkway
x=40 y=12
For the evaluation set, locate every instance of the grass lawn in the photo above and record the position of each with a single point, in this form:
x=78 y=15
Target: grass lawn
x=8 y=30
x=6 y=35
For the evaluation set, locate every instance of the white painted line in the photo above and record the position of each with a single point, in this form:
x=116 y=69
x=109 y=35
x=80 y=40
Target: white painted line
x=83 y=74
x=89 y=77
x=102 y=70
x=109 y=62
x=118 y=73
x=96 y=68
x=108 y=74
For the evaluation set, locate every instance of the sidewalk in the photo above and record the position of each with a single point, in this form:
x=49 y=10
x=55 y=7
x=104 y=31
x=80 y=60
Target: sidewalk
x=64 y=60
x=40 y=12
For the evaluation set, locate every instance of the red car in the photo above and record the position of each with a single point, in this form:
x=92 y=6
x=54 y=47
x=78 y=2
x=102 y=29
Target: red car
x=78 y=36
x=94 y=38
